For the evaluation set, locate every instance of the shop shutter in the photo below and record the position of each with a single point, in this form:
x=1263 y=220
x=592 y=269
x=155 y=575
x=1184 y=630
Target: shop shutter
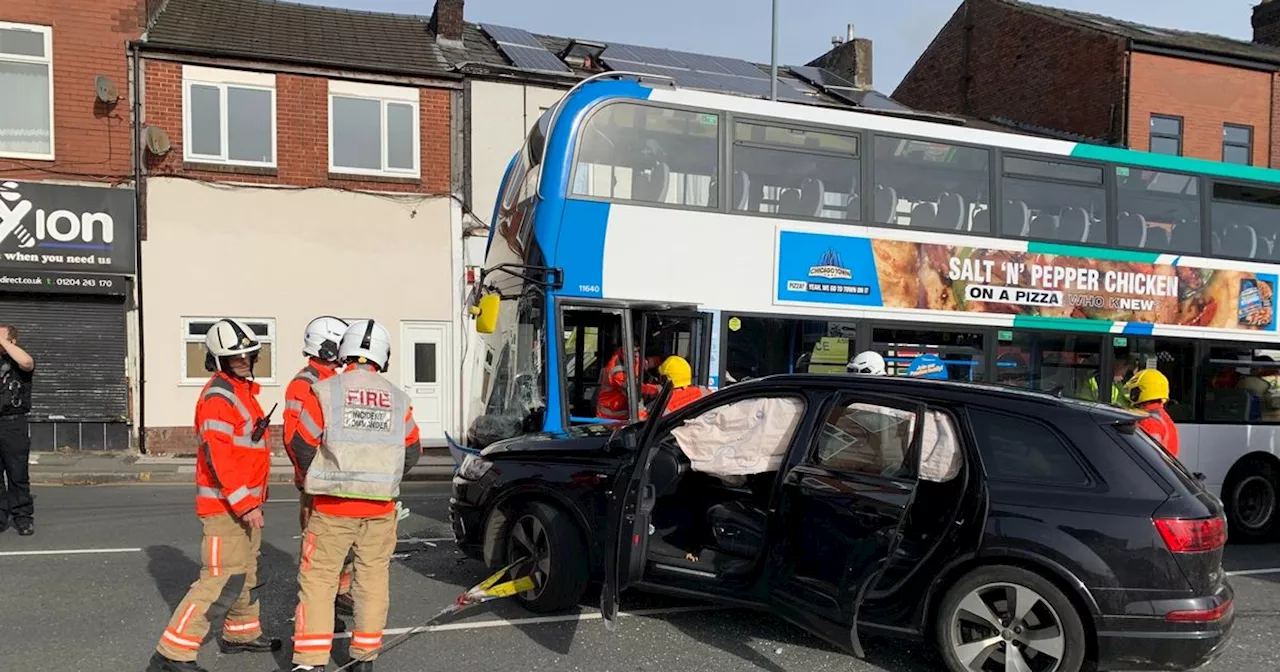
x=80 y=346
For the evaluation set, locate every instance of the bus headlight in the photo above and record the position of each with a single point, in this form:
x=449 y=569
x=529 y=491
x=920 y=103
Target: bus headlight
x=474 y=467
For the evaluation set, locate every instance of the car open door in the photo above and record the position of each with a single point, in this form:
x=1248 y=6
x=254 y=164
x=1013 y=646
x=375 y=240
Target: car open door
x=631 y=504
x=841 y=515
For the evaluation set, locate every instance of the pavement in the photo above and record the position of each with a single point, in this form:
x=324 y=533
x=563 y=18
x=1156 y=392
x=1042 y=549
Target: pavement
x=102 y=468
x=93 y=589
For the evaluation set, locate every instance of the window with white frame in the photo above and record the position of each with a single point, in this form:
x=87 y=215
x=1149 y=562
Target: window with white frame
x=26 y=80
x=229 y=116
x=193 y=350
x=373 y=129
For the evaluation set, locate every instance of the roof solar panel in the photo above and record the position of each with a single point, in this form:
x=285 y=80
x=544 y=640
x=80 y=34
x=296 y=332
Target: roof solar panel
x=524 y=50
x=821 y=77
x=511 y=35
x=879 y=101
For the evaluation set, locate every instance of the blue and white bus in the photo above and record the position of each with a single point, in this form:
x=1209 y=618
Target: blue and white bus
x=755 y=237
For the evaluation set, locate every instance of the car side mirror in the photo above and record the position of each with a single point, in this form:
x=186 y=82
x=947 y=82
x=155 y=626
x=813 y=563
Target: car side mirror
x=486 y=313
x=1200 y=476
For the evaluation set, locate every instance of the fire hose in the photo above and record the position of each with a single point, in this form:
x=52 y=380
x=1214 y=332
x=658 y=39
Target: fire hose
x=486 y=591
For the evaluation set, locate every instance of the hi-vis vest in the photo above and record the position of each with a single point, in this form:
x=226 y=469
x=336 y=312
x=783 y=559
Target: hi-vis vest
x=362 y=453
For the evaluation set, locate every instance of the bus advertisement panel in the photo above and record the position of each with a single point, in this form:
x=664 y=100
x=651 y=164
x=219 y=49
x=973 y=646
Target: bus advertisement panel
x=1098 y=290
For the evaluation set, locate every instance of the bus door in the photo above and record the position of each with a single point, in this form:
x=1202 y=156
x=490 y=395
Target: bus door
x=673 y=331
x=591 y=337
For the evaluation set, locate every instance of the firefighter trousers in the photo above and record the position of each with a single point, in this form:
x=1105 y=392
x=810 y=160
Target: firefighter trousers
x=304 y=514
x=325 y=546
x=228 y=574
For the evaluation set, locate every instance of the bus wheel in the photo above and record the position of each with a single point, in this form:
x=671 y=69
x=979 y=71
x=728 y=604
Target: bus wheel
x=1252 y=499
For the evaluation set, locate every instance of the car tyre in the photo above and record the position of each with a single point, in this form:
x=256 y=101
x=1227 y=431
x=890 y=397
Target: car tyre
x=557 y=557
x=978 y=622
x=1251 y=497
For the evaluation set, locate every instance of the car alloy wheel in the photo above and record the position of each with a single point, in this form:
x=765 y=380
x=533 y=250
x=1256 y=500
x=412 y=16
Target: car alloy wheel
x=1255 y=502
x=529 y=540
x=1007 y=627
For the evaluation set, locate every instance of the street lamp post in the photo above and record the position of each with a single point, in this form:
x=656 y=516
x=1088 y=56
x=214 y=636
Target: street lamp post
x=773 y=59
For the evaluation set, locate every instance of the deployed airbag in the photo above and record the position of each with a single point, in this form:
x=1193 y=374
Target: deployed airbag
x=742 y=438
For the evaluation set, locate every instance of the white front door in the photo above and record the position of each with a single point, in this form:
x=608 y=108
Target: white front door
x=425 y=373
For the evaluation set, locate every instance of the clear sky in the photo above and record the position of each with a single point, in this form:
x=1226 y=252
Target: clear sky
x=900 y=29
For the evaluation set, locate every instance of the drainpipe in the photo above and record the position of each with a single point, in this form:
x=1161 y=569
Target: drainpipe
x=140 y=214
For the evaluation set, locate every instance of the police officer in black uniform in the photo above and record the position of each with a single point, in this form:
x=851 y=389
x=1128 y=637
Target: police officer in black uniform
x=16 y=372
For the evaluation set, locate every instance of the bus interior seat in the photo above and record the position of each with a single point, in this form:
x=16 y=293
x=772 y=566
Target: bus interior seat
x=1216 y=242
x=1240 y=240
x=1133 y=230
x=951 y=210
x=923 y=215
x=650 y=184
x=789 y=202
x=1157 y=238
x=886 y=204
x=1185 y=236
x=853 y=209
x=1074 y=225
x=741 y=190
x=1016 y=212
x=1045 y=226
x=981 y=220
x=813 y=194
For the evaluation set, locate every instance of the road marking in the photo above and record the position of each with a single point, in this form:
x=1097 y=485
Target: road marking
x=77 y=551
x=1251 y=572
x=536 y=620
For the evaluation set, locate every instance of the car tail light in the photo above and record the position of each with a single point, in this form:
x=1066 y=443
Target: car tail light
x=1201 y=615
x=1192 y=536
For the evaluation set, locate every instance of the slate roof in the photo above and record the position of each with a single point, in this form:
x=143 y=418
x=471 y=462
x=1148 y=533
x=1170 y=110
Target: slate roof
x=1170 y=38
x=302 y=34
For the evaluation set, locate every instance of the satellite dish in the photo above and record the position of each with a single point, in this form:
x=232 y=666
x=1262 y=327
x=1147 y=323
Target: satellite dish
x=157 y=140
x=107 y=91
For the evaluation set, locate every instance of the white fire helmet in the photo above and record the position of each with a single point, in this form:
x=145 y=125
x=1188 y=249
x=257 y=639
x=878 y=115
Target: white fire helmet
x=229 y=338
x=322 y=337
x=869 y=362
x=368 y=340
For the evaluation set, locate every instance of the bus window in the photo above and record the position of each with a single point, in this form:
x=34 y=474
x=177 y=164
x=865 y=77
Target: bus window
x=633 y=152
x=960 y=352
x=795 y=172
x=1063 y=364
x=932 y=185
x=1245 y=222
x=1047 y=200
x=1242 y=384
x=1157 y=211
x=668 y=334
x=765 y=346
x=1175 y=359
x=591 y=338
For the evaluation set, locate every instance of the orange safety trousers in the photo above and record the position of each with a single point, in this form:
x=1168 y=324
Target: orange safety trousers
x=304 y=514
x=325 y=545
x=228 y=574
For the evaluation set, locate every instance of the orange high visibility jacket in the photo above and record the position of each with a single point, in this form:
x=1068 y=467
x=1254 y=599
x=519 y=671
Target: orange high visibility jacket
x=306 y=448
x=684 y=396
x=298 y=391
x=1161 y=428
x=611 y=403
x=231 y=468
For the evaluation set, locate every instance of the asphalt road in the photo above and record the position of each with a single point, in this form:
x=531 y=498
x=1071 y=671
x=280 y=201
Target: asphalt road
x=103 y=610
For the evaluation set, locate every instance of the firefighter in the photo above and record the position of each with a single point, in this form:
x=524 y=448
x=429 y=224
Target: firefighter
x=684 y=392
x=1148 y=390
x=231 y=487
x=366 y=440
x=612 y=401
x=320 y=344
x=867 y=362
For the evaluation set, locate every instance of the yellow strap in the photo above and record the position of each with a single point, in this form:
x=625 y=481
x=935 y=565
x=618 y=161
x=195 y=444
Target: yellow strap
x=509 y=588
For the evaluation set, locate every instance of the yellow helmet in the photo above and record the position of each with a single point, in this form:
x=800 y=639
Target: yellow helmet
x=1147 y=385
x=678 y=370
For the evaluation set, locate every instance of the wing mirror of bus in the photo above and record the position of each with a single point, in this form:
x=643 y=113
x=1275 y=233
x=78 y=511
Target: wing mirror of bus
x=486 y=313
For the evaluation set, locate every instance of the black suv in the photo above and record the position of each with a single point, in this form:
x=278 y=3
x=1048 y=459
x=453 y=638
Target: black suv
x=1017 y=530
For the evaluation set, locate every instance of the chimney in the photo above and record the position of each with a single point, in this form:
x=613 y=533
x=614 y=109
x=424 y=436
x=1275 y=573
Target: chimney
x=447 y=23
x=1266 y=23
x=851 y=59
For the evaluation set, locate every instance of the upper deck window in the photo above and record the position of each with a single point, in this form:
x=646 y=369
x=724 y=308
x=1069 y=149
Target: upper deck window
x=1157 y=211
x=1246 y=221
x=795 y=172
x=1050 y=200
x=633 y=152
x=932 y=185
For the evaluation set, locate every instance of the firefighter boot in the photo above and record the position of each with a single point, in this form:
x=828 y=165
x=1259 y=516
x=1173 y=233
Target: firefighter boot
x=159 y=663
x=259 y=645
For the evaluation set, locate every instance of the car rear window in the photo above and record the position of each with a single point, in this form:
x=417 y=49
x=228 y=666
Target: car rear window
x=1150 y=450
x=1023 y=450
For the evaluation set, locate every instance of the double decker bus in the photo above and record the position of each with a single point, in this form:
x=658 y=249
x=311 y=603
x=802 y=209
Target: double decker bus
x=754 y=237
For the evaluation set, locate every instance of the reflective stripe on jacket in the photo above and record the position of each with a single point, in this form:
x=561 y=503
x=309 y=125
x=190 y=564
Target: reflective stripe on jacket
x=299 y=437
x=367 y=439
x=611 y=402
x=231 y=468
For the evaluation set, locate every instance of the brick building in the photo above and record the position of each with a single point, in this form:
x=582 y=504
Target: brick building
x=301 y=165
x=68 y=213
x=1112 y=81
